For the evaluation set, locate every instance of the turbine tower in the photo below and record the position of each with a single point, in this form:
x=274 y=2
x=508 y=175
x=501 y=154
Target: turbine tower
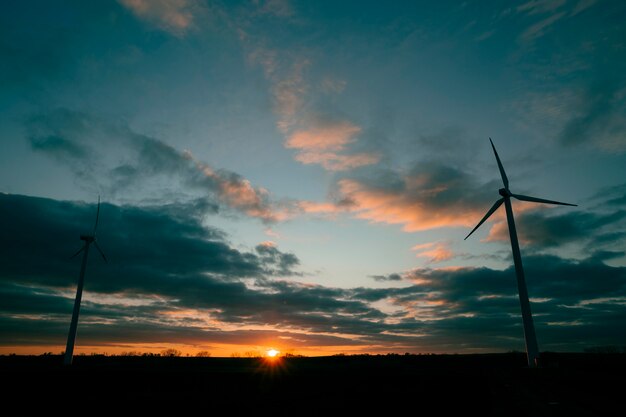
x=88 y=239
x=532 y=350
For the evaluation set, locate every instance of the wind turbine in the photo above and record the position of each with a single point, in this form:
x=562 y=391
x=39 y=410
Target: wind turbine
x=88 y=239
x=532 y=350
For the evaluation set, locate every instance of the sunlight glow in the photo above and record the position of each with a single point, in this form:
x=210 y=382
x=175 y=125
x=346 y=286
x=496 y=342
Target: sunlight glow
x=272 y=353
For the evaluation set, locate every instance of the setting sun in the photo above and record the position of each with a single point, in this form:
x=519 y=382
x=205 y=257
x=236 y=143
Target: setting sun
x=272 y=353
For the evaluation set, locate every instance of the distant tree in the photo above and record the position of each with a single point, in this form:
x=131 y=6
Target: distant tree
x=171 y=353
x=131 y=353
x=235 y=355
x=604 y=349
x=252 y=354
x=203 y=354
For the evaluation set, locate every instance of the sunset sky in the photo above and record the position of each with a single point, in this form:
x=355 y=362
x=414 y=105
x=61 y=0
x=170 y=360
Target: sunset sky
x=300 y=175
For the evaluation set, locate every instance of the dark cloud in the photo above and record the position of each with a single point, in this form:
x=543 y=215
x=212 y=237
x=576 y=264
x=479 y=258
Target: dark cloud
x=134 y=162
x=283 y=262
x=612 y=196
x=383 y=278
x=476 y=308
x=59 y=146
x=600 y=119
x=165 y=263
x=543 y=230
x=164 y=266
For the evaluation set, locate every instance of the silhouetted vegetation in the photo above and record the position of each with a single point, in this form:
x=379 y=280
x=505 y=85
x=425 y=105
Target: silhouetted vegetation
x=606 y=349
x=572 y=384
x=171 y=353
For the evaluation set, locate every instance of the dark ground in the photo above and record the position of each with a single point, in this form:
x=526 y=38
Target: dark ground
x=497 y=384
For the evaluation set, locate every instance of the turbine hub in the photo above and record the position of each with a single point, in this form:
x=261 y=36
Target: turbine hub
x=87 y=238
x=504 y=192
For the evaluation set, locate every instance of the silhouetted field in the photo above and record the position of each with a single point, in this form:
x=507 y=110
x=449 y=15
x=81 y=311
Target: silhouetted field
x=496 y=384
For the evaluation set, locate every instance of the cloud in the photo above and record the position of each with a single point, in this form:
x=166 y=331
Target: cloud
x=279 y=8
x=480 y=305
x=544 y=230
x=284 y=262
x=75 y=138
x=58 y=146
x=319 y=140
x=286 y=75
x=539 y=29
x=582 y=5
x=383 y=278
x=328 y=136
x=598 y=119
x=433 y=251
x=172 y=280
x=431 y=195
x=540 y=6
x=331 y=85
x=323 y=143
x=173 y=16
x=612 y=196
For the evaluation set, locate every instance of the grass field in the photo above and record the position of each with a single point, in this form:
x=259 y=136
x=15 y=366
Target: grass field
x=494 y=384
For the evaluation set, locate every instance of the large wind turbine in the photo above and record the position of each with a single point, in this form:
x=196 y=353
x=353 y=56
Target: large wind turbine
x=88 y=239
x=532 y=350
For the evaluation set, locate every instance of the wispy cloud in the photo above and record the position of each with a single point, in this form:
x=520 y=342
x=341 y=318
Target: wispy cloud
x=75 y=138
x=540 y=6
x=582 y=5
x=555 y=11
x=319 y=140
x=173 y=16
x=279 y=8
x=599 y=118
x=433 y=252
x=539 y=29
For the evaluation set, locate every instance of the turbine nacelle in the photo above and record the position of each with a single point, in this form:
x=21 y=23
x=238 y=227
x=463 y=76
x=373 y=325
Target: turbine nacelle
x=87 y=238
x=505 y=193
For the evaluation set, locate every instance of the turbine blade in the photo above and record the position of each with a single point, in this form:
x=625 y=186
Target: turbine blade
x=100 y=250
x=540 y=200
x=97 y=216
x=505 y=180
x=79 y=251
x=489 y=213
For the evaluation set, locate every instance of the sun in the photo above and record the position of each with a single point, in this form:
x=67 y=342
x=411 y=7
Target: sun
x=272 y=353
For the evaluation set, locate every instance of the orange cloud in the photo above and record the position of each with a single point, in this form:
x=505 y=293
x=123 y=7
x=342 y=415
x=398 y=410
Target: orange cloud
x=238 y=193
x=329 y=136
x=411 y=208
x=174 y=16
x=433 y=252
x=317 y=141
x=335 y=162
x=322 y=143
x=430 y=196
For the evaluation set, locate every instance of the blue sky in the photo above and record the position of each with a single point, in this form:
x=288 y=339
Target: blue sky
x=352 y=136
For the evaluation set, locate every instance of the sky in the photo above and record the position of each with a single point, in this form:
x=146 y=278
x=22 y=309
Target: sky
x=301 y=175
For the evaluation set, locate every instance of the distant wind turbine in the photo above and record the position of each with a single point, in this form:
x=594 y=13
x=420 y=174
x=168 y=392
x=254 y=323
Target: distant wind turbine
x=532 y=350
x=88 y=239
